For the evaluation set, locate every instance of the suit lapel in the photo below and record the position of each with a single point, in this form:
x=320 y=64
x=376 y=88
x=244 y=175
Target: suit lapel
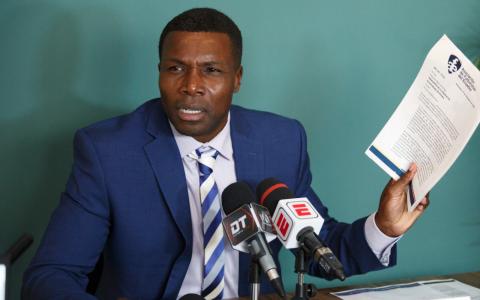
x=247 y=150
x=249 y=159
x=168 y=168
x=166 y=162
x=168 y=172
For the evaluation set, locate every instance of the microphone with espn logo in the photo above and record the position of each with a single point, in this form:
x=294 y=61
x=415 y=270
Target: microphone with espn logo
x=298 y=223
x=249 y=228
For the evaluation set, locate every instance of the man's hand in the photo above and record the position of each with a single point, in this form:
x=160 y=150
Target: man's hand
x=392 y=217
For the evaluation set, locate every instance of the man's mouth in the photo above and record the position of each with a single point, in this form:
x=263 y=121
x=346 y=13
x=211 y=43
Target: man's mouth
x=190 y=111
x=190 y=114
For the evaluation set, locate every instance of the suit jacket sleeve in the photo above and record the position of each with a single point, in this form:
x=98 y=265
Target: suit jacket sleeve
x=347 y=241
x=76 y=233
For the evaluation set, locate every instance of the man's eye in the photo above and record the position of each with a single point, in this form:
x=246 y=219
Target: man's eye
x=212 y=70
x=175 y=69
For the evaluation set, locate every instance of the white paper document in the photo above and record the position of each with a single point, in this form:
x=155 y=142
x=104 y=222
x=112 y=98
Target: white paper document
x=448 y=289
x=433 y=122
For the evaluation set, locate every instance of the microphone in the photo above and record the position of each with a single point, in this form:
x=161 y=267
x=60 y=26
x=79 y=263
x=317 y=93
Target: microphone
x=249 y=228
x=9 y=257
x=191 y=297
x=17 y=249
x=298 y=223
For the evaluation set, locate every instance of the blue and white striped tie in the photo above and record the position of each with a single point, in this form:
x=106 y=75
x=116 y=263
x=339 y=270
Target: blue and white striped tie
x=214 y=261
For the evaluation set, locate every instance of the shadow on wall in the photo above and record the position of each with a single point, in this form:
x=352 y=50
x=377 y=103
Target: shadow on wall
x=36 y=147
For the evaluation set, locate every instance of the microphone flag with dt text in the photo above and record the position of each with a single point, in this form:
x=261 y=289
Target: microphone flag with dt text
x=249 y=228
x=297 y=223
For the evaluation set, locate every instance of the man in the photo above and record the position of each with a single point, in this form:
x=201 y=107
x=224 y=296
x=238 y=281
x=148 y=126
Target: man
x=137 y=196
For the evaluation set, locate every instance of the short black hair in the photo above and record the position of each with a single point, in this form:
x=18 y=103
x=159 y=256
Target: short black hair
x=205 y=20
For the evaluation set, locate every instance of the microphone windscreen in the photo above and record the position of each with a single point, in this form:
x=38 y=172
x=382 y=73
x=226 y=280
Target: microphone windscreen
x=270 y=191
x=191 y=297
x=236 y=195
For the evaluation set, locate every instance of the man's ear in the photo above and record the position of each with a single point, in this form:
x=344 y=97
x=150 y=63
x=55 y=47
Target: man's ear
x=158 y=66
x=238 y=79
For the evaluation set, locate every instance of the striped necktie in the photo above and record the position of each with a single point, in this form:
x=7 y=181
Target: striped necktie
x=214 y=259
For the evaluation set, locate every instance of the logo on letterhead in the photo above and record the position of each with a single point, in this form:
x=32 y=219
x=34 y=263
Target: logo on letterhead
x=454 y=64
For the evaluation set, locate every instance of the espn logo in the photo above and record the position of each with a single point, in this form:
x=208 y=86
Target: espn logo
x=302 y=210
x=283 y=223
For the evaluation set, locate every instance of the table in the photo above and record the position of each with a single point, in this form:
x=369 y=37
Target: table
x=472 y=278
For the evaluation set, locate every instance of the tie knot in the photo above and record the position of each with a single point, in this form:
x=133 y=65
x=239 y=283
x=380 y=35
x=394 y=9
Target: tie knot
x=205 y=157
x=208 y=151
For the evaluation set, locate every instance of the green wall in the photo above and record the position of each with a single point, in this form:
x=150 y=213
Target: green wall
x=340 y=67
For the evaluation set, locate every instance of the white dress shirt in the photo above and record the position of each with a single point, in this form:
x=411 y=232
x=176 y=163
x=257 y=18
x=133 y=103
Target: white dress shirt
x=224 y=174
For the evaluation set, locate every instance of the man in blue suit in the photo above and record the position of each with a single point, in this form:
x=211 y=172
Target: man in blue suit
x=133 y=191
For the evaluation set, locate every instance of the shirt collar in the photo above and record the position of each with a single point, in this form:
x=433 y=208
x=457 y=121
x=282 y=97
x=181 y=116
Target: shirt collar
x=222 y=142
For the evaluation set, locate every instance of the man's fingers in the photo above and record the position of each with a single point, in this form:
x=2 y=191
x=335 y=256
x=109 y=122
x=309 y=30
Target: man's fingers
x=421 y=207
x=408 y=176
x=424 y=203
x=402 y=182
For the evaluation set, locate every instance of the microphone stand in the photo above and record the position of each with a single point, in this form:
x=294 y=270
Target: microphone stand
x=10 y=257
x=254 y=279
x=302 y=291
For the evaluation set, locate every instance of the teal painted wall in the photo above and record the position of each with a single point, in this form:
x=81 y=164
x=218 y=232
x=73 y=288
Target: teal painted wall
x=340 y=67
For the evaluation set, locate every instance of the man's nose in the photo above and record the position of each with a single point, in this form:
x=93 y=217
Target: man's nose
x=193 y=84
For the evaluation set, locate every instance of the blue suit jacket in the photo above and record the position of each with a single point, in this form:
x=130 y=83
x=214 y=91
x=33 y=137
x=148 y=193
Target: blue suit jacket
x=127 y=197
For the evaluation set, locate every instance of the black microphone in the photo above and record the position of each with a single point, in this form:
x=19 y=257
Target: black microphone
x=17 y=249
x=9 y=257
x=191 y=297
x=248 y=227
x=298 y=223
